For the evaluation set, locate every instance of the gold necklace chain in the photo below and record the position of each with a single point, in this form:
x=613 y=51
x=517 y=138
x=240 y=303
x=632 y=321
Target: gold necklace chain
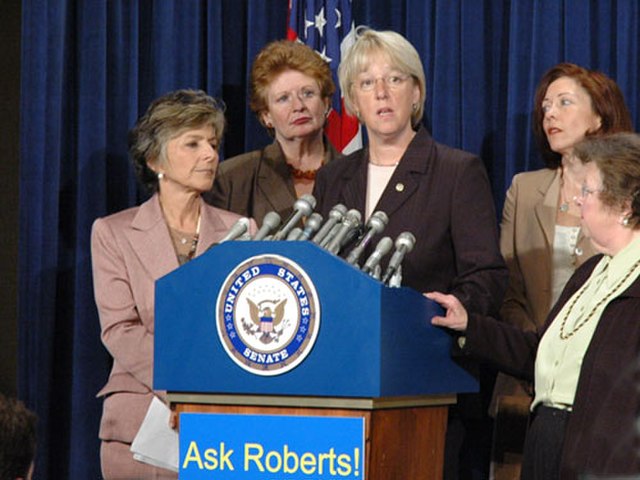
x=566 y=336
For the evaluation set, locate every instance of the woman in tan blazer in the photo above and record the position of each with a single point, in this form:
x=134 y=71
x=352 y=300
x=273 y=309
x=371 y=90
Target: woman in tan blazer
x=174 y=147
x=540 y=238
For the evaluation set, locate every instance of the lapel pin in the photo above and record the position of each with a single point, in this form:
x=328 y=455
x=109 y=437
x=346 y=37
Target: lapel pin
x=399 y=187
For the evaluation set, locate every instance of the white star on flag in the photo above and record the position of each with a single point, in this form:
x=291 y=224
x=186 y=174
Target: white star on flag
x=342 y=130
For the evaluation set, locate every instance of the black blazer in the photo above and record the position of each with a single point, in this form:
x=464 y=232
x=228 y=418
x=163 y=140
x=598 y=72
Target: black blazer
x=600 y=436
x=442 y=196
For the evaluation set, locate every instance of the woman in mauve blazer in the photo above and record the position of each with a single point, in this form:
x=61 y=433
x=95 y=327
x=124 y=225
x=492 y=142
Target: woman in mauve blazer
x=174 y=148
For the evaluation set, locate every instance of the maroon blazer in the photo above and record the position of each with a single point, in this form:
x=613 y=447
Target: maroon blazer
x=600 y=438
x=130 y=250
x=442 y=196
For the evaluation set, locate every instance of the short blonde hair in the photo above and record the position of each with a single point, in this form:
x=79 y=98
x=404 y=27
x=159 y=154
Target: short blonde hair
x=401 y=54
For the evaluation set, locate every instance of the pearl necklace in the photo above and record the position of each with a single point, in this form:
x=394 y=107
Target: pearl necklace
x=568 y=335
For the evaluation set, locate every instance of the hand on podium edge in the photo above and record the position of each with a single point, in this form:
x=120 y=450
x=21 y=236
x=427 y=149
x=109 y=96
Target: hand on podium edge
x=456 y=317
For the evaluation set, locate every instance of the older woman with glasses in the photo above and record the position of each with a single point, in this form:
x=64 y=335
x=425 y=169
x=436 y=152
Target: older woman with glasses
x=584 y=361
x=440 y=194
x=541 y=239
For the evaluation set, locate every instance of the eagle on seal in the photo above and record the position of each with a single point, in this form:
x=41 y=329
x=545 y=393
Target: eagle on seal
x=266 y=315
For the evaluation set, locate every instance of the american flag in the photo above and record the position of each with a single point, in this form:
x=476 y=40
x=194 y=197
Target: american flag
x=326 y=26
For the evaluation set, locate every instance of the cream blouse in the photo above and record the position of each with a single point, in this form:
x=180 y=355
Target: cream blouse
x=564 y=344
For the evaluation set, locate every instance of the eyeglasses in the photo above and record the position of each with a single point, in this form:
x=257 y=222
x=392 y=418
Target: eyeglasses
x=392 y=82
x=586 y=191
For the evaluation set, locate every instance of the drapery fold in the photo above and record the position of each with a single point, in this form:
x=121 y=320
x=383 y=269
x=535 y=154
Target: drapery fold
x=90 y=67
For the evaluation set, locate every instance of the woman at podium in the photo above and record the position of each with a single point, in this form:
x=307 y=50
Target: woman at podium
x=174 y=148
x=440 y=194
x=584 y=361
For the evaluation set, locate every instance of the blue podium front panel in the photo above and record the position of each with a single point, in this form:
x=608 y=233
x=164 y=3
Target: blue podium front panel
x=370 y=340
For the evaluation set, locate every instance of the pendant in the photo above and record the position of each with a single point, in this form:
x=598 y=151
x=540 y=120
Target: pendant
x=564 y=207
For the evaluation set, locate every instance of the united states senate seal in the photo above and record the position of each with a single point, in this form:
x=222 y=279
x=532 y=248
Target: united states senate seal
x=268 y=315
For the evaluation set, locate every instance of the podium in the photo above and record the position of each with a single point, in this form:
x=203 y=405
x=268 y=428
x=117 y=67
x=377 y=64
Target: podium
x=369 y=352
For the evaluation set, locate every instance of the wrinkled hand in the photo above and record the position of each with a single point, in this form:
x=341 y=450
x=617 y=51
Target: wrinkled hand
x=456 y=317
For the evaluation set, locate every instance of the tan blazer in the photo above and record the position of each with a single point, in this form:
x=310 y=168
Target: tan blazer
x=258 y=182
x=130 y=250
x=526 y=243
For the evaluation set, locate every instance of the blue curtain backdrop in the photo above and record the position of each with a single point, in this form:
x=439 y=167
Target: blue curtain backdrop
x=90 y=67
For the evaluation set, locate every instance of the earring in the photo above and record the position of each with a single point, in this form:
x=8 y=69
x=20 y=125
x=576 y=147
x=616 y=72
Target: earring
x=414 y=107
x=625 y=221
x=160 y=176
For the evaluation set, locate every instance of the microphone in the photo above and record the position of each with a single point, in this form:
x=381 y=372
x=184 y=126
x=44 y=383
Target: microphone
x=294 y=234
x=311 y=226
x=404 y=244
x=332 y=233
x=335 y=216
x=302 y=207
x=382 y=248
x=238 y=229
x=350 y=222
x=270 y=221
x=375 y=225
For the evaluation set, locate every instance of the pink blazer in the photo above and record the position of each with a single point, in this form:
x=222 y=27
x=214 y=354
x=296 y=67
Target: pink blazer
x=130 y=250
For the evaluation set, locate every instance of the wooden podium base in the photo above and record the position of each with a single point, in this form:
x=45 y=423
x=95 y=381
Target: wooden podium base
x=404 y=437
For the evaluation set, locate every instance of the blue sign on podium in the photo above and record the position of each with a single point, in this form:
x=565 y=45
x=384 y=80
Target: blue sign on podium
x=255 y=447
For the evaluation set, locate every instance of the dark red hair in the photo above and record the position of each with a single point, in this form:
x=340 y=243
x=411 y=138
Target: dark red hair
x=607 y=102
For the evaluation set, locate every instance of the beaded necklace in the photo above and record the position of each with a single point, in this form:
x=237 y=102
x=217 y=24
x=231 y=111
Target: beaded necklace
x=568 y=335
x=302 y=174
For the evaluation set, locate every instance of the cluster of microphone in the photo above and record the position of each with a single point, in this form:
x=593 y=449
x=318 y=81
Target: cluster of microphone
x=342 y=233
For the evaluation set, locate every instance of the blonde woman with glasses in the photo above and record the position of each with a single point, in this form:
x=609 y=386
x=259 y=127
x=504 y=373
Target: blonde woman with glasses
x=440 y=194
